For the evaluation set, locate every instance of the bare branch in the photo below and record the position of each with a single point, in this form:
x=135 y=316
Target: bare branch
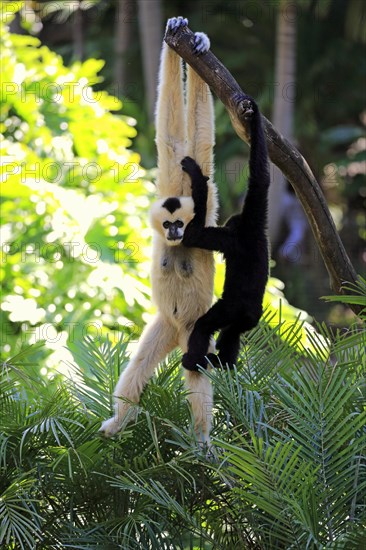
x=282 y=153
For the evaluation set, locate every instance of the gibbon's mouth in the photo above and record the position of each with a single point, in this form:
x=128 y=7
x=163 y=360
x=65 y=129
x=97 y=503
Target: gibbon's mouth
x=174 y=238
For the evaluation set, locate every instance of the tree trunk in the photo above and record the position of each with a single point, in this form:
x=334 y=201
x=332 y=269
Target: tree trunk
x=150 y=36
x=283 y=106
x=123 y=36
x=282 y=153
x=78 y=33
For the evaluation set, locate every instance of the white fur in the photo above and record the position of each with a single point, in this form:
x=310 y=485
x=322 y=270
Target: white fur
x=182 y=278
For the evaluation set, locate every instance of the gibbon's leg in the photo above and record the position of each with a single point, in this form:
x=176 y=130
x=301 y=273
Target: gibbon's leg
x=158 y=339
x=228 y=345
x=228 y=342
x=170 y=120
x=201 y=399
x=218 y=316
x=200 y=394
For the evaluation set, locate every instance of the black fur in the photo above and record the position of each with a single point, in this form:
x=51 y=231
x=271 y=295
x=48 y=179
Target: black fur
x=172 y=204
x=244 y=244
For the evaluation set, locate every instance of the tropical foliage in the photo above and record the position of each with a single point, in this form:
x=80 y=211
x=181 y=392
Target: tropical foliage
x=286 y=468
x=68 y=177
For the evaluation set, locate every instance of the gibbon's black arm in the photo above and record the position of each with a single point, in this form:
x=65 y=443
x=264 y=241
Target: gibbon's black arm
x=196 y=234
x=255 y=207
x=208 y=238
x=199 y=190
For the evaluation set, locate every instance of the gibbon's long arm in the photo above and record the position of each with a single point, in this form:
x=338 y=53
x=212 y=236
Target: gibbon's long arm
x=196 y=234
x=170 y=125
x=207 y=238
x=199 y=190
x=283 y=154
x=200 y=122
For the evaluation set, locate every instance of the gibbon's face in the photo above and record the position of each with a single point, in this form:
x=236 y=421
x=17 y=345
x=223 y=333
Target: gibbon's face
x=169 y=217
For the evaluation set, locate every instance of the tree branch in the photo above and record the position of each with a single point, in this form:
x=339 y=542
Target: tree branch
x=282 y=153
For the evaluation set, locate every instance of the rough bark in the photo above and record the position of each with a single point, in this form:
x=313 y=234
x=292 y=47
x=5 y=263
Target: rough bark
x=283 y=154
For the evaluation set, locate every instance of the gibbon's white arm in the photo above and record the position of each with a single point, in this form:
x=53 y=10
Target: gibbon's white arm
x=170 y=122
x=184 y=128
x=201 y=136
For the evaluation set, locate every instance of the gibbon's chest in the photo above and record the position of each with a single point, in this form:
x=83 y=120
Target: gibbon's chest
x=176 y=260
x=182 y=282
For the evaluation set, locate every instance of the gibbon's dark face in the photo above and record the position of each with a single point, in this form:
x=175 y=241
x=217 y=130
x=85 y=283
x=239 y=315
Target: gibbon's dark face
x=169 y=217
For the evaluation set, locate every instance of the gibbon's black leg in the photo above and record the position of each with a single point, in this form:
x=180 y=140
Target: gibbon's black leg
x=228 y=345
x=228 y=342
x=216 y=317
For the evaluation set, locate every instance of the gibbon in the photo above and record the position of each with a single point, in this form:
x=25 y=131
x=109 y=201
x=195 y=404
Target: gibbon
x=181 y=277
x=244 y=244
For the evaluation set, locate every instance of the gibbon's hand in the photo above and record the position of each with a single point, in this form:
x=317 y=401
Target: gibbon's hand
x=201 y=43
x=246 y=106
x=174 y=23
x=191 y=167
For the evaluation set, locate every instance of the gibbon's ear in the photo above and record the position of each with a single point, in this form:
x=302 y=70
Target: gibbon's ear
x=170 y=216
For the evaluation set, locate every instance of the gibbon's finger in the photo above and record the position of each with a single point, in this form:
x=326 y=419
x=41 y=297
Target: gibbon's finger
x=201 y=43
x=175 y=22
x=191 y=167
x=246 y=105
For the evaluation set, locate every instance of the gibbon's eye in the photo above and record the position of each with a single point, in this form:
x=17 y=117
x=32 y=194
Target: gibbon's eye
x=166 y=225
x=179 y=223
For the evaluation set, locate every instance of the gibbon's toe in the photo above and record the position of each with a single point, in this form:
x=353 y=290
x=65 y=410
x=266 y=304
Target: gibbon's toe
x=110 y=427
x=193 y=362
x=201 y=43
x=175 y=22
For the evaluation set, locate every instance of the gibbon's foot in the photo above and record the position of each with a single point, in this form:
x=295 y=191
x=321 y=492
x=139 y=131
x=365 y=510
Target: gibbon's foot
x=201 y=43
x=218 y=362
x=245 y=105
x=190 y=361
x=214 y=360
x=191 y=167
x=174 y=23
x=110 y=427
x=113 y=425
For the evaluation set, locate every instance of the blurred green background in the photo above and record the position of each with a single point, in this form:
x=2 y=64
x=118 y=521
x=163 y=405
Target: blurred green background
x=78 y=153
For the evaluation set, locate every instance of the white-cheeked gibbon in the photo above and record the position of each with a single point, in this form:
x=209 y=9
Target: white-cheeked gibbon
x=182 y=278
